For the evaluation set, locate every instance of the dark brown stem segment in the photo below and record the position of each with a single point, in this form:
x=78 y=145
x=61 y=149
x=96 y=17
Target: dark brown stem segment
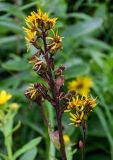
x=61 y=140
x=57 y=107
x=84 y=139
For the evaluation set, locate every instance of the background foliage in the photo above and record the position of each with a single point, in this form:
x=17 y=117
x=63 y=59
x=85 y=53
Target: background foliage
x=86 y=26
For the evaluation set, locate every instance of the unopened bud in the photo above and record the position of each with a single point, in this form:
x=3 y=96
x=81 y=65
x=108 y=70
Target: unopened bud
x=81 y=144
x=14 y=106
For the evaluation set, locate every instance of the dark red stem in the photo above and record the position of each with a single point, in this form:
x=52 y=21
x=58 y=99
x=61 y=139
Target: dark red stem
x=57 y=106
x=62 y=146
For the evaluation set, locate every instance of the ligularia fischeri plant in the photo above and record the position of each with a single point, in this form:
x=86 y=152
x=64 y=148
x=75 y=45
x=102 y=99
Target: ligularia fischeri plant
x=41 y=34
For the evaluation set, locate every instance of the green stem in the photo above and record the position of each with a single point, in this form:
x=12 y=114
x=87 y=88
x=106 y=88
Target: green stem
x=8 y=144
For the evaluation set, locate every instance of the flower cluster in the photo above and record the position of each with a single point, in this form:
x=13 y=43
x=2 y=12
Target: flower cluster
x=7 y=110
x=79 y=108
x=38 y=25
x=81 y=85
x=40 y=33
x=38 y=30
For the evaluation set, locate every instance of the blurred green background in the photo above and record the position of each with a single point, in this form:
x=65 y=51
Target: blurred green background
x=87 y=28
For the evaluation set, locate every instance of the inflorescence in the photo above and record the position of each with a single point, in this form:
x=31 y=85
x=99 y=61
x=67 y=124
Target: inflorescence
x=41 y=34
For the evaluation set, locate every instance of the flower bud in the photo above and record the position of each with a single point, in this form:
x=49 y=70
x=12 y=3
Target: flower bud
x=32 y=92
x=59 y=71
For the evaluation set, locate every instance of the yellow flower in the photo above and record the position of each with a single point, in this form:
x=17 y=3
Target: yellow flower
x=66 y=138
x=91 y=102
x=44 y=21
x=31 y=21
x=81 y=85
x=74 y=103
x=79 y=108
x=30 y=35
x=36 y=23
x=4 y=97
x=55 y=42
x=77 y=118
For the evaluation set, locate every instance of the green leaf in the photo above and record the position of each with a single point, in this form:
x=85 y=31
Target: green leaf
x=3 y=156
x=12 y=9
x=76 y=70
x=28 y=5
x=103 y=103
x=8 y=39
x=83 y=28
x=104 y=123
x=92 y=42
x=27 y=147
x=96 y=56
x=51 y=119
x=16 y=64
x=69 y=152
x=11 y=26
x=79 y=15
x=36 y=128
x=29 y=155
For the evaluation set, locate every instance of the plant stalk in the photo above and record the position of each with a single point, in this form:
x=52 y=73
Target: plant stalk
x=57 y=107
x=61 y=140
x=9 y=148
x=84 y=140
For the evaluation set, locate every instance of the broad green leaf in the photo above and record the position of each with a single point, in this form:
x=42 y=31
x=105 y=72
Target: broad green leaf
x=51 y=119
x=97 y=56
x=16 y=64
x=32 y=126
x=29 y=155
x=9 y=39
x=104 y=123
x=3 y=156
x=12 y=9
x=27 y=147
x=101 y=11
x=102 y=102
x=69 y=152
x=76 y=70
x=11 y=26
x=93 y=42
x=83 y=28
x=28 y=5
x=79 y=16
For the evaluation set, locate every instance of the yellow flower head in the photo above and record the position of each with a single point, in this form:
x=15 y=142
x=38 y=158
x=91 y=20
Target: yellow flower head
x=79 y=108
x=91 y=102
x=81 y=85
x=76 y=118
x=74 y=103
x=30 y=35
x=36 y=23
x=44 y=21
x=66 y=138
x=31 y=21
x=55 y=42
x=4 y=97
